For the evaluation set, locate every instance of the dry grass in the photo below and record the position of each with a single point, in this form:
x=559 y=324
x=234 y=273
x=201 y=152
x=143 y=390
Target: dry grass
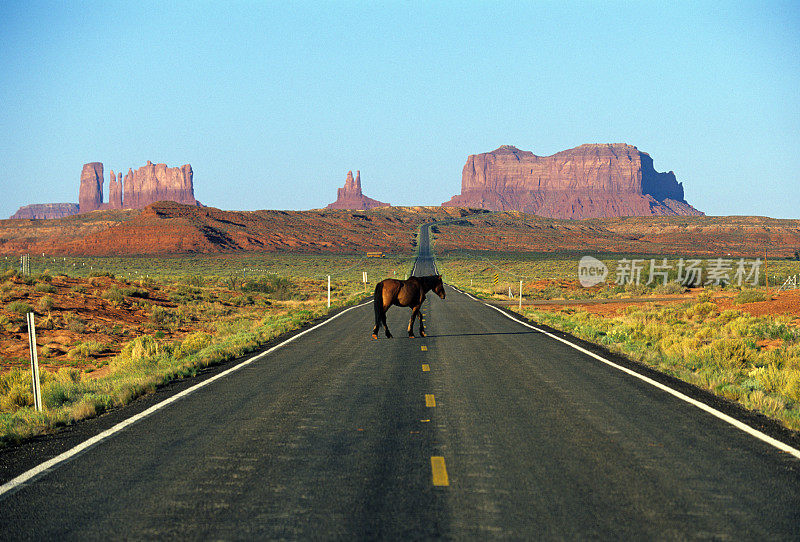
x=185 y=323
x=752 y=360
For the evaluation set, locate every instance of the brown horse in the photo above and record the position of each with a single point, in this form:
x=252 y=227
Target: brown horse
x=404 y=293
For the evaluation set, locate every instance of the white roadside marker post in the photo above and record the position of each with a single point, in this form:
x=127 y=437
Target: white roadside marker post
x=37 y=392
x=520 y=297
x=329 y=291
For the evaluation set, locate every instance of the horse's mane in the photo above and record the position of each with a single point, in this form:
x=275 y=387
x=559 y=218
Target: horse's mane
x=429 y=281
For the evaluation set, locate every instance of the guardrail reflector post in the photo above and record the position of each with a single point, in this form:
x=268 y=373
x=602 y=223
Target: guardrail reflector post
x=37 y=391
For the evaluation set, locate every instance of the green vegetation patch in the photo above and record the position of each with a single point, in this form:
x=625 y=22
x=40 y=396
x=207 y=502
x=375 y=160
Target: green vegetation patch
x=19 y=307
x=750 y=296
x=45 y=288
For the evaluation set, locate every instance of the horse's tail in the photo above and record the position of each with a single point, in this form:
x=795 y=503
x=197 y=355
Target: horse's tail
x=378 y=303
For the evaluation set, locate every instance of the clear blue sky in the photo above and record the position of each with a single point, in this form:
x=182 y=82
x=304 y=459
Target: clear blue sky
x=272 y=103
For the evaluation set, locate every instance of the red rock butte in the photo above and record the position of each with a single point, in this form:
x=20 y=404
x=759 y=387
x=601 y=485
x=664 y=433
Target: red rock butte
x=351 y=197
x=140 y=188
x=589 y=181
x=148 y=184
x=41 y=211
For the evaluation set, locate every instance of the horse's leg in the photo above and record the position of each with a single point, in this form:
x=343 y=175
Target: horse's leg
x=414 y=312
x=419 y=310
x=383 y=319
x=377 y=322
x=386 y=302
x=378 y=306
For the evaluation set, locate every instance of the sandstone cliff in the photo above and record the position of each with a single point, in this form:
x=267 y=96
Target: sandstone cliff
x=589 y=181
x=157 y=182
x=115 y=191
x=351 y=197
x=90 y=192
x=146 y=185
x=41 y=211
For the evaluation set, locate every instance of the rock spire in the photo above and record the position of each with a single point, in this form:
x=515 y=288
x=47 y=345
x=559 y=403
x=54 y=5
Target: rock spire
x=90 y=192
x=351 y=197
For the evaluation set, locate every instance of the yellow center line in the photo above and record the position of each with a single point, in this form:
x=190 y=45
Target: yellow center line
x=425 y=367
x=424 y=348
x=429 y=400
x=439 y=471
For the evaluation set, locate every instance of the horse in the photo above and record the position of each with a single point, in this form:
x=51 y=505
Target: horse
x=404 y=293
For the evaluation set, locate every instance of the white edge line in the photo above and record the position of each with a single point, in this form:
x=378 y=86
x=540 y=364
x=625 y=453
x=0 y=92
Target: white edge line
x=713 y=411
x=42 y=469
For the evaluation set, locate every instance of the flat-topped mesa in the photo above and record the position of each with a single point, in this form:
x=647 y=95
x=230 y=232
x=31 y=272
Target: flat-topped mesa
x=593 y=180
x=156 y=182
x=146 y=185
x=351 y=197
x=140 y=188
x=46 y=211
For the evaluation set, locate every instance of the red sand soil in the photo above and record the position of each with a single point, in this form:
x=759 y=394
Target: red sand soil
x=735 y=236
x=172 y=228
x=785 y=303
x=103 y=322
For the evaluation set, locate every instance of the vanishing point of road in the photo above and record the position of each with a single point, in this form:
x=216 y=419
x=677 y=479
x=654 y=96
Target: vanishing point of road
x=485 y=429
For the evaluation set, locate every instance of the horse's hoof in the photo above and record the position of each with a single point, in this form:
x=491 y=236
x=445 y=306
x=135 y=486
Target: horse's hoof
x=422 y=334
x=411 y=336
x=388 y=335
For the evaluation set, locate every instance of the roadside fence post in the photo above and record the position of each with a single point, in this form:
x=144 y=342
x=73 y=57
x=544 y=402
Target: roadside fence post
x=25 y=264
x=37 y=392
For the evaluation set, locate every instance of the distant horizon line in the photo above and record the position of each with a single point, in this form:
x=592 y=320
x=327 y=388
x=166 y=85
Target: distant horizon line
x=477 y=210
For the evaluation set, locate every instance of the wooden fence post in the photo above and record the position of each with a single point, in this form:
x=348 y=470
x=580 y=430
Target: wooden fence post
x=37 y=391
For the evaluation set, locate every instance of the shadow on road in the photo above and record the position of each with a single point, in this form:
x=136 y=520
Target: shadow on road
x=430 y=336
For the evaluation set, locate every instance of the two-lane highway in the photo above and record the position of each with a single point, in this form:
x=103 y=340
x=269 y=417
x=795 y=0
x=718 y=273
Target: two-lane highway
x=542 y=441
x=332 y=436
x=322 y=439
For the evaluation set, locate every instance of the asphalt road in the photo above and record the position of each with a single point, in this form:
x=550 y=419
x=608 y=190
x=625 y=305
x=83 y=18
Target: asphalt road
x=332 y=437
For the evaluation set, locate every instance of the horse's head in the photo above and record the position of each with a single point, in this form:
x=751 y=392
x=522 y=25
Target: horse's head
x=438 y=287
